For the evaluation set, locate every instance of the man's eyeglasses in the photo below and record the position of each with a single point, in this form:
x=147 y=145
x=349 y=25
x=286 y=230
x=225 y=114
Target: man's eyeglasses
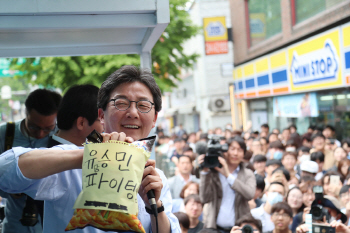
x=144 y=106
x=284 y=215
x=36 y=128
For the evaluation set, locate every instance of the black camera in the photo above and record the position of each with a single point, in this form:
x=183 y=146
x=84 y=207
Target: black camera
x=30 y=213
x=247 y=229
x=317 y=211
x=214 y=150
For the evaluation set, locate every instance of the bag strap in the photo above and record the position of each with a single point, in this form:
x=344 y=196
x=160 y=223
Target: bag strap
x=9 y=135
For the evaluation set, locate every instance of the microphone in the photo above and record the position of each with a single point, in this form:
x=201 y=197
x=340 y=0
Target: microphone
x=201 y=147
x=152 y=201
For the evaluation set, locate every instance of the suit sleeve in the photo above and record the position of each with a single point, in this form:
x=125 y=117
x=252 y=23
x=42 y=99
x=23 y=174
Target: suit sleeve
x=246 y=186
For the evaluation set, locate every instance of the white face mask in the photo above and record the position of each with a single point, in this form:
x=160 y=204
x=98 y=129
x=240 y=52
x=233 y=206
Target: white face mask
x=274 y=197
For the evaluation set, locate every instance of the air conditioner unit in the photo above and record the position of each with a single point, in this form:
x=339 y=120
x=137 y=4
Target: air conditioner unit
x=220 y=104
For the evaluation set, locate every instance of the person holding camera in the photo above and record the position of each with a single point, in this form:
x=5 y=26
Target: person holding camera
x=247 y=224
x=226 y=189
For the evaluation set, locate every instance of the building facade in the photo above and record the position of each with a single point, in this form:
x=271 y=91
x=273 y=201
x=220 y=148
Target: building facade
x=292 y=63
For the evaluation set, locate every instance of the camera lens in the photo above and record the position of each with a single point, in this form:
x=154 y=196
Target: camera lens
x=247 y=229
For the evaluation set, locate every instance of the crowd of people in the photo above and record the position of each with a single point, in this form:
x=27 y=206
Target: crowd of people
x=269 y=180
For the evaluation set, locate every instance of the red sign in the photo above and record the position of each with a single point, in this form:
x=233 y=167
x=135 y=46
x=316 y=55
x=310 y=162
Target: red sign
x=216 y=47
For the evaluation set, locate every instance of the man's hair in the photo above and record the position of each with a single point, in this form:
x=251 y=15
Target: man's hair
x=209 y=230
x=265 y=126
x=273 y=162
x=317 y=135
x=277 y=145
x=249 y=219
x=286 y=129
x=282 y=206
x=275 y=182
x=260 y=182
x=294 y=154
x=45 y=102
x=179 y=140
x=129 y=74
x=79 y=101
x=248 y=155
x=259 y=158
x=284 y=171
x=304 y=149
x=268 y=137
x=318 y=155
x=183 y=218
x=194 y=197
x=186 y=156
x=240 y=142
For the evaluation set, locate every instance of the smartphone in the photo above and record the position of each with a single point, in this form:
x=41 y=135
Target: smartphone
x=334 y=180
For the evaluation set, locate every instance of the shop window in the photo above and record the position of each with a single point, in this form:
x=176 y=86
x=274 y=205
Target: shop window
x=264 y=19
x=307 y=9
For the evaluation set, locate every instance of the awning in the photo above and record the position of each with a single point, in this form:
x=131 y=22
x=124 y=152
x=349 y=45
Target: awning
x=31 y=28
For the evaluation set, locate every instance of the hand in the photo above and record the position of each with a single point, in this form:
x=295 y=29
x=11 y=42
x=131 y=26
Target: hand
x=116 y=136
x=224 y=169
x=201 y=161
x=279 y=177
x=150 y=180
x=236 y=229
x=302 y=229
x=340 y=227
x=306 y=211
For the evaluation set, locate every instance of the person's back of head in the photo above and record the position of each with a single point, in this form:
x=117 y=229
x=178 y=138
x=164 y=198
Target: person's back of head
x=183 y=220
x=79 y=101
x=44 y=101
x=260 y=182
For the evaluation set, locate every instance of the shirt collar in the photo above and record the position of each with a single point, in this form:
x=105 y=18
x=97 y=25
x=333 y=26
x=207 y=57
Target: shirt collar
x=61 y=140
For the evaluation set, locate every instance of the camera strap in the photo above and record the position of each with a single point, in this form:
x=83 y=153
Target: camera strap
x=9 y=135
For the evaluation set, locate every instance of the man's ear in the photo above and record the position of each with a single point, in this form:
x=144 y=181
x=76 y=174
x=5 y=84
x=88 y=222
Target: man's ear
x=155 y=120
x=80 y=123
x=101 y=115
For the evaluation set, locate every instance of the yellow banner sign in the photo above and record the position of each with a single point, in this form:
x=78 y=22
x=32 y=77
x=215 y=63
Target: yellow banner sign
x=215 y=29
x=112 y=174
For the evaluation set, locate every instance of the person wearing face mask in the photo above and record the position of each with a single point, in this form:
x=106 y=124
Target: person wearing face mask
x=276 y=150
x=274 y=194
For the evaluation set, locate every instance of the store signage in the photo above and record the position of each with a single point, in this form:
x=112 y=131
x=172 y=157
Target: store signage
x=320 y=64
x=215 y=35
x=299 y=105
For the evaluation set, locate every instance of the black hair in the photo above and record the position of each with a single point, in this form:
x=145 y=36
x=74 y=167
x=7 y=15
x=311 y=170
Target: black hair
x=273 y=162
x=240 y=142
x=282 y=206
x=260 y=182
x=44 y=101
x=183 y=218
x=79 y=101
x=276 y=182
x=179 y=140
x=317 y=135
x=293 y=126
x=318 y=155
x=344 y=189
x=265 y=138
x=331 y=173
x=129 y=74
x=249 y=219
x=313 y=127
x=265 y=126
x=331 y=127
x=307 y=137
x=209 y=230
x=286 y=129
x=301 y=208
x=346 y=140
x=259 y=158
x=195 y=197
x=304 y=149
x=285 y=172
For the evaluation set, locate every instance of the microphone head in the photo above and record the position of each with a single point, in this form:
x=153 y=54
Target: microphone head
x=201 y=147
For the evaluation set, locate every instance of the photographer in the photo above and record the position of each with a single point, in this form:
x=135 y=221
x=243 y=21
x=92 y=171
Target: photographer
x=247 y=224
x=228 y=189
